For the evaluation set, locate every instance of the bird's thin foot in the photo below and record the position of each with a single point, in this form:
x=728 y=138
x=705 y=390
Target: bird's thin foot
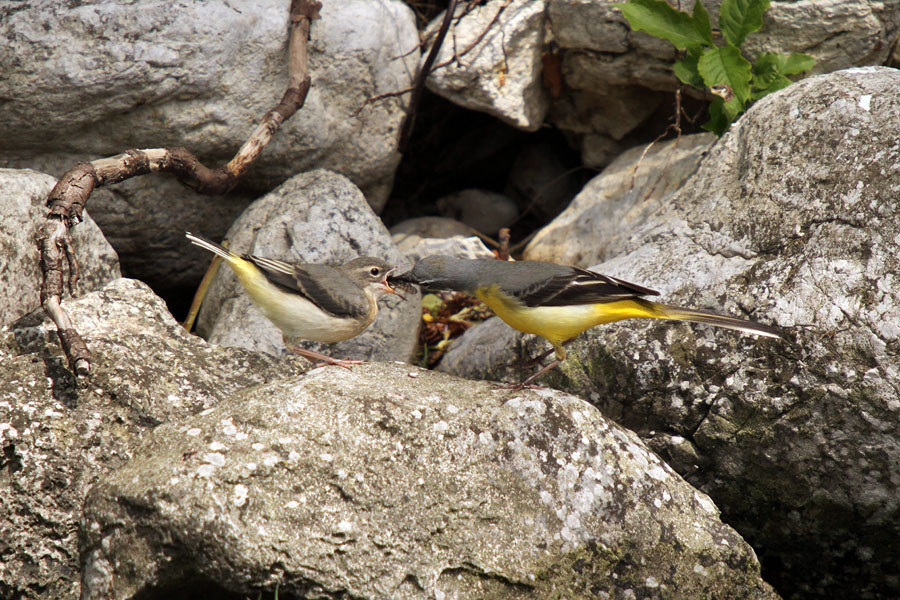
x=323 y=359
x=527 y=382
x=531 y=362
x=537 y=360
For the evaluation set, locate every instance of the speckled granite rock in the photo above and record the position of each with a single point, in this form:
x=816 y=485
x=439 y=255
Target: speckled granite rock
x=57 y=437
x=394 y=482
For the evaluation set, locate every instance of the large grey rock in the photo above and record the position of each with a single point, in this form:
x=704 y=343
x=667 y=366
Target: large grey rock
x=635 y=188
x=482 y=210
x=498 y=45
x=145 y=218
x=58 y=436
x=108 y=76
x=394 y=482
x=406 y=234
x=423 y=236
x=792 y=219
x=599 y=47
x=22 y=211
x=317 y=217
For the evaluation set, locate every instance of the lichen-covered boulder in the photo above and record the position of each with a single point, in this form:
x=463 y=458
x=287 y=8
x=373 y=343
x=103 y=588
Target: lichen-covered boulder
x=58 y=436
x=394 y=482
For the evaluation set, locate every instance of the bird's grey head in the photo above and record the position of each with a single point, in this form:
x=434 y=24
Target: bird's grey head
x=370 y=272
x=444 y=273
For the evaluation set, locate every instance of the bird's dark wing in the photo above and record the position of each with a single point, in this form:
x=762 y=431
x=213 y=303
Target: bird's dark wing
x=326 y=287
x=571 y=285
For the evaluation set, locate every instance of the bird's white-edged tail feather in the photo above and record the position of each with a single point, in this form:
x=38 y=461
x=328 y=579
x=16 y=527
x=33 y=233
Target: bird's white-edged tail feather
x=207 y=244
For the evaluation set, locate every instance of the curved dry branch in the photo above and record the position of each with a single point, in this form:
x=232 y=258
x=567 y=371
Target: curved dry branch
x=69 y=196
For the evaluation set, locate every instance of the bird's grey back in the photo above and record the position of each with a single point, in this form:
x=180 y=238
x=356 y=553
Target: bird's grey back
x=466 y=275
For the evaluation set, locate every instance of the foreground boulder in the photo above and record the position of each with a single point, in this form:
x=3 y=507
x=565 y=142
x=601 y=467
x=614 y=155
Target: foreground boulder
x=394 y=482
x=58 y=436
x=791 y=219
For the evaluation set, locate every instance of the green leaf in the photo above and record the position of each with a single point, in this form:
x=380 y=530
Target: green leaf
x=701 y=20
x=774 y=85
x=726 y=66
x=658 y=18
x=797 y=63
x=732 y=109
x=718 y=122
x=770 y=69
x=686 y=70
x=737 y=18
x=767 y=68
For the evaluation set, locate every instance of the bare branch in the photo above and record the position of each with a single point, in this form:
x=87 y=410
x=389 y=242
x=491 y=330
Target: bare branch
x=69 y=196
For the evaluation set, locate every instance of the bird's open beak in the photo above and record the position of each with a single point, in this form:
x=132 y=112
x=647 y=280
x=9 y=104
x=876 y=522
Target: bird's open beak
x=387 y=286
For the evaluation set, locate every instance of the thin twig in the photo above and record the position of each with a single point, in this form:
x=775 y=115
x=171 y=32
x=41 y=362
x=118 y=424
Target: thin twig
x=676 y=127
x=419 y=83
x=503 y=251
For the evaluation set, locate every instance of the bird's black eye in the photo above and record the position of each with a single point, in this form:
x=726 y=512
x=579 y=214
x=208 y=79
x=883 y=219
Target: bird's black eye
x=374 y=271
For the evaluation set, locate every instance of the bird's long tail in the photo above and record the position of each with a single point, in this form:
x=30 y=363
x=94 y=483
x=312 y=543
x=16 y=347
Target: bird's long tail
x=701 y=316
x=207 y=244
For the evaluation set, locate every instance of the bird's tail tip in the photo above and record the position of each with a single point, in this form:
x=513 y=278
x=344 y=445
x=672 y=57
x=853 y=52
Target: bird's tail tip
x=208 y=244
x=708 y=318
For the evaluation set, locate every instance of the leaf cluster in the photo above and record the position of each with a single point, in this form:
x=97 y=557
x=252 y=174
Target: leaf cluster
x=735 y=81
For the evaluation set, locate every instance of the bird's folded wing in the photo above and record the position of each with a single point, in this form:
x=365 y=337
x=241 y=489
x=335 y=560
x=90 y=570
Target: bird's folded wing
x=572 y=285
x=324 y=286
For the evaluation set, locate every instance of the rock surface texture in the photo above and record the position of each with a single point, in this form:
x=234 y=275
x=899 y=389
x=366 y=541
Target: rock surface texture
x=791 y=219
x=317 y=217
x=57 y=436
x=637 y=187
x=491 y=61
x=394 y=482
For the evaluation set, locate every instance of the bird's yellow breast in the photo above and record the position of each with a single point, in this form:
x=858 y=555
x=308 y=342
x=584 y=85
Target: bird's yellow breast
x=559 y=323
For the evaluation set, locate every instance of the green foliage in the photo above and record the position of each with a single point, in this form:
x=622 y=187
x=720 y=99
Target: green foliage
x=722 y=69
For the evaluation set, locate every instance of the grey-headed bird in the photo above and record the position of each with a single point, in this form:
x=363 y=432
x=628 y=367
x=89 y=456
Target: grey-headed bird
x=311 y=301
x=557 y=302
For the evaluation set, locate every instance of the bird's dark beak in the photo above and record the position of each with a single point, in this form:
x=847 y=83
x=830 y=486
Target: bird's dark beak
x=387 y=285
x=406 y=277
x=405 y=281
